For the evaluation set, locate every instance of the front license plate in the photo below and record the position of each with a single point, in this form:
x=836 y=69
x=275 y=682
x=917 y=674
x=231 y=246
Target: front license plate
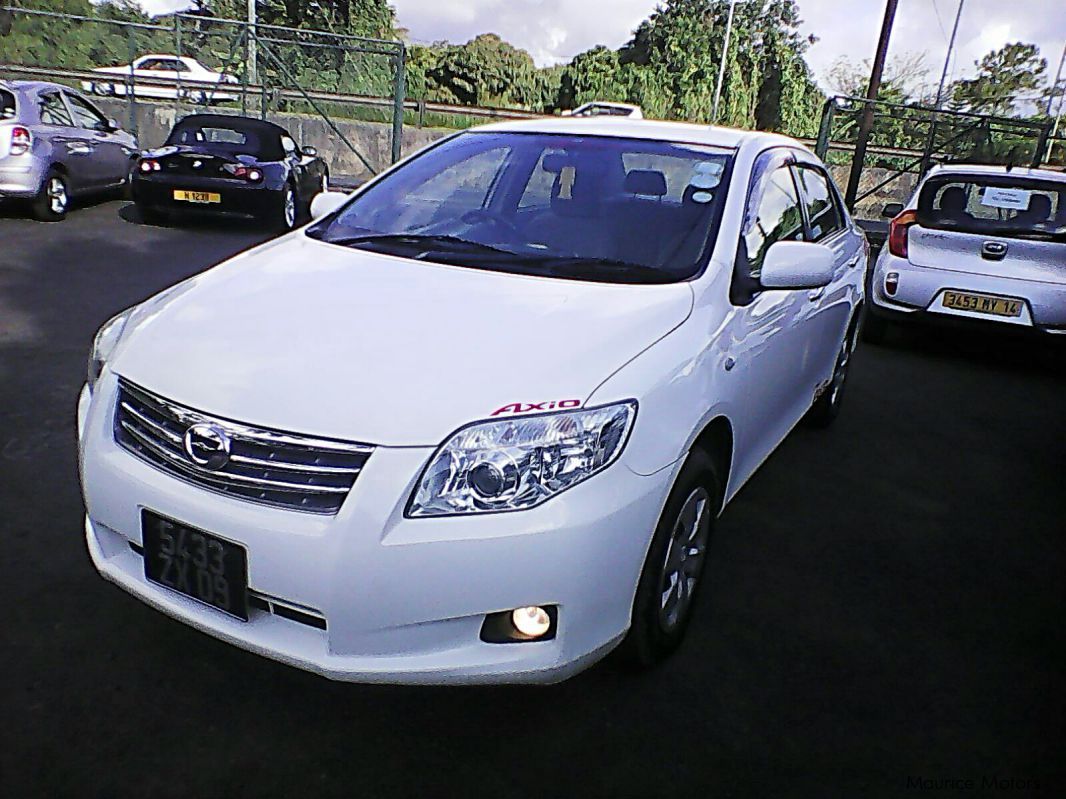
x=195 y=563
x=197 y=196
x=982 y=303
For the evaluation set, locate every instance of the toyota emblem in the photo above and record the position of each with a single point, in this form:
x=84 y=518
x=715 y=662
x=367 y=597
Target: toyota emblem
x=207 y=445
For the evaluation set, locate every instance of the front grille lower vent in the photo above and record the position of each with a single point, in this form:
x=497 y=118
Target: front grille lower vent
x=285 y=470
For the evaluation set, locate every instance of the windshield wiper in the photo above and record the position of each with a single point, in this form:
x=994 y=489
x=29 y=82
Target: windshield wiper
x=418 y=241
x=574 y=266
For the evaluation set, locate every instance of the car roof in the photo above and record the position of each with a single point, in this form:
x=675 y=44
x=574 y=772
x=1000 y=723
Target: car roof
x=995 y=170
x=656 y=130
x=26 y=86
x=235 y=121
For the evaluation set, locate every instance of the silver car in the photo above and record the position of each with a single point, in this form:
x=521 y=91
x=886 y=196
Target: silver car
x=56 y=145
x=981 y=243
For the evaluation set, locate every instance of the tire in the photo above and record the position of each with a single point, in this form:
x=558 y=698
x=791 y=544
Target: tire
x=827 y=407
x=285 y=212
x=875 y=328
x=53 y=200
x=658 y=625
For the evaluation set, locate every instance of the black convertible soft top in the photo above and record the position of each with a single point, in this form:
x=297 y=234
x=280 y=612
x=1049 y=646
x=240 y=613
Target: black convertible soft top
x=231 y=134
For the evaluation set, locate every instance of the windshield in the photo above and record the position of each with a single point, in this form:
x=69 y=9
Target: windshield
x=1001 y=205
x=219 y=137
x=581 y=207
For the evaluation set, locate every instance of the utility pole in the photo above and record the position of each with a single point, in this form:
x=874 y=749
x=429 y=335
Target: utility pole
x=1055 y=85
x=947 y=58
x=867 y=122
x=721 y=65
x=930 y=140
x=253 y=52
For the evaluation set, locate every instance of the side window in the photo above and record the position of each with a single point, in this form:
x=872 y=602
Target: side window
x=539 y=187
x=823 y=213
x=85 y=114
x=778 y=218
x=177 y=66
x=54 y=111
x=150 y=64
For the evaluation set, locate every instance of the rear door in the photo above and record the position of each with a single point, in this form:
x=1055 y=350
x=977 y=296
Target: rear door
x=827 y=312
x=110 y=159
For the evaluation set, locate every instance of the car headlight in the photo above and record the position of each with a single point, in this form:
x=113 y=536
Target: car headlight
x=517 y=463
x=104 y=343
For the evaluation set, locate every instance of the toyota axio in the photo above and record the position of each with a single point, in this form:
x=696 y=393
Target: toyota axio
x=475 y=423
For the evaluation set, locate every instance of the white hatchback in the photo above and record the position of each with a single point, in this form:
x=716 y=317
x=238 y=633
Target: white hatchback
x=476 y=422
x=975 y=245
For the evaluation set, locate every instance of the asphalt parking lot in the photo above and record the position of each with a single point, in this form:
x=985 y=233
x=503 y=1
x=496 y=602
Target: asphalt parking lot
x=884 y=601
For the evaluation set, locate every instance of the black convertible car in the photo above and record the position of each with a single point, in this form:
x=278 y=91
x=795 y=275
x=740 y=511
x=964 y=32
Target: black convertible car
x=231 y=165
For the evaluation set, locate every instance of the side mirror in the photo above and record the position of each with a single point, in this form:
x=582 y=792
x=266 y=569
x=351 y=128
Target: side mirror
x=310 y=152
x=797 y=265
x=892 y=210
x=326 y=202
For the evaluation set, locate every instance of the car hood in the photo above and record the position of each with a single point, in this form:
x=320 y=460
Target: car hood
x=307 y=337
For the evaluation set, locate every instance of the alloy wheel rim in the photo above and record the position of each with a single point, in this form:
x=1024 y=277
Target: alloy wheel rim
x=290 y=208
x=684 y=558
x=840 y=374
x=57 y=195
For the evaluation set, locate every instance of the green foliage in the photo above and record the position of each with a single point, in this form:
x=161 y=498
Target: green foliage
x=1004 y=77
x=670 y=67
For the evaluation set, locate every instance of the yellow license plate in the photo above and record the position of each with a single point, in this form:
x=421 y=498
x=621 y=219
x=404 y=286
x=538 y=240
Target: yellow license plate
x=197 y=196
x=982 y=303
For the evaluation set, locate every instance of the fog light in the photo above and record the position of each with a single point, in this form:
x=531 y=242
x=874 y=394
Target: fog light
x=891 y=283
x=532 y=621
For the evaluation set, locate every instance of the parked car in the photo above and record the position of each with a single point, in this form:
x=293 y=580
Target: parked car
x=476 y=422
x=229 y=165
x=602 y=108
x=975 y=243
x=56 y=145
x=163 y=76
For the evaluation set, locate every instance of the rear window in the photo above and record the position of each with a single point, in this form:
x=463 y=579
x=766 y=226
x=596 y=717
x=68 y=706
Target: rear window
x=1001 y=205
x=7 y=104
x=237 y=139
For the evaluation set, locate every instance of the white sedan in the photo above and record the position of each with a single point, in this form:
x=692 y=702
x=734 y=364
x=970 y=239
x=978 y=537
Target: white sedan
x=476 y=422
x=163 y=77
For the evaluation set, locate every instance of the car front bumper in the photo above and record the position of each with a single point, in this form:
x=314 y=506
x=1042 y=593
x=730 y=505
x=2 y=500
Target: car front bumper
x=920 y=291
x=404 y=599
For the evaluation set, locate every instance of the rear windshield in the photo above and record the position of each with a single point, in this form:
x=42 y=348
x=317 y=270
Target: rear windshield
x=1000 y=205
x=227 y=139
x=7 y=104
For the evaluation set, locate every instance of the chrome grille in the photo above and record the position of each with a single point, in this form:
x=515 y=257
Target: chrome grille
x=285 y=470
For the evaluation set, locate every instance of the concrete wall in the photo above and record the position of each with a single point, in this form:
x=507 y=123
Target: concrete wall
x=372 y=139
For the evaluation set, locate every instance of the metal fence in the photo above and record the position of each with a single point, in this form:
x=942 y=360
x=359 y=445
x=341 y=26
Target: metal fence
x=906 y=140
x=266 y=69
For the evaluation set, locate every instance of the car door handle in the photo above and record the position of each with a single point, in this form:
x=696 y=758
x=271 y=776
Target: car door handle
x=853 y=262
x=816 y=294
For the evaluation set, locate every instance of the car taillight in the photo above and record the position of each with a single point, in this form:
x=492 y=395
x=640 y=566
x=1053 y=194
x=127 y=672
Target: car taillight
x=21 y=140
x=149 y=165
x=250 y=173
x=897 y=233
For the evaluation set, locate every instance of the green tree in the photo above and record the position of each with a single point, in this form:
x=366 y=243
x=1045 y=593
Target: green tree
x=1005 y=77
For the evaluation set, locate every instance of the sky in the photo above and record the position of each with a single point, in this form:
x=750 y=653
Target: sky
x=555 y=30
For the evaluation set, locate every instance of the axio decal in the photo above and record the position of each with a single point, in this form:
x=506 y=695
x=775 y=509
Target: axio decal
x=547 y=405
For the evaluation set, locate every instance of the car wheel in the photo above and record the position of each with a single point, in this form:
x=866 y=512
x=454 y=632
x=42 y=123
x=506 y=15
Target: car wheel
x=671 y=577
x=827 y=406
x=285 y=213
x=53 y=200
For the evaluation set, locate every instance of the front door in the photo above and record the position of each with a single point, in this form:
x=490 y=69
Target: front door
x=766 y=342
